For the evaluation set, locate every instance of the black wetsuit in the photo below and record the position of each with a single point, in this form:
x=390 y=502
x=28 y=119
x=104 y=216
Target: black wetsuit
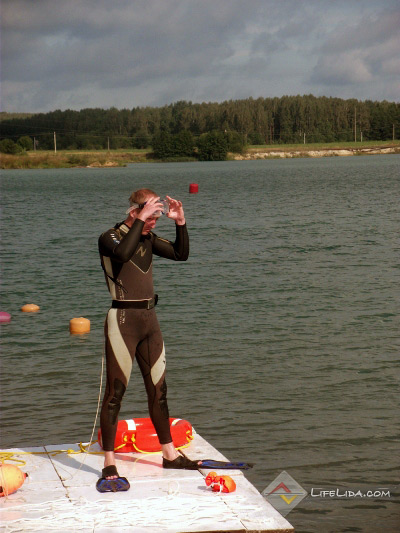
x=126 y=258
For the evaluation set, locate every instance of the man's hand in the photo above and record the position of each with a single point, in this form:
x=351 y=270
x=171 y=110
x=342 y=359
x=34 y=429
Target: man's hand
x=152 y=206
x=176 y=211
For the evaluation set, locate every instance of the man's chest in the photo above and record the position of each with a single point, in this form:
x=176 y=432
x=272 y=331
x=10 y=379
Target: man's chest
x=142 y=256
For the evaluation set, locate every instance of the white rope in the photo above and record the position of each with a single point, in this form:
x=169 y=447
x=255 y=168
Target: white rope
x=97 y=413
x=171 y=490
x=70 y=476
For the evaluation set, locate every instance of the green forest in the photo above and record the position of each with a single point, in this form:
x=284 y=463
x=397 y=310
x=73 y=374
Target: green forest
x=206 y=129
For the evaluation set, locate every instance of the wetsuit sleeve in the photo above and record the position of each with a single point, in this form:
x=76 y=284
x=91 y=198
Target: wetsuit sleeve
x=110 y=244
x=178 y=250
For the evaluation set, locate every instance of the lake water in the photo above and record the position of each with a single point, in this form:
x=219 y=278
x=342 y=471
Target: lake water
x=281 y=330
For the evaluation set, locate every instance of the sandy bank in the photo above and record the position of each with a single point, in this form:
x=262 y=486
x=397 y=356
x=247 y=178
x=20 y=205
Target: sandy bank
x=276 y=154
x=97 y=164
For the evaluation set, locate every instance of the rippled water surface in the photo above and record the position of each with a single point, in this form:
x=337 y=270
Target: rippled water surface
x=281 y=330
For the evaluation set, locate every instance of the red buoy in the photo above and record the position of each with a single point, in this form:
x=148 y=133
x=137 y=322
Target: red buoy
x=193 y=188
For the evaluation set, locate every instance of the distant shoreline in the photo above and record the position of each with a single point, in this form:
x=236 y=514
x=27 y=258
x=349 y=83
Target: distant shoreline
x=329 y=152
x=120 y=158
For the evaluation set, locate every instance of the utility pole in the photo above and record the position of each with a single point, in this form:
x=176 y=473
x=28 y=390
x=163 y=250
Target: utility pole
x=393 y=131
x=355 y=124
x=55 y=143
x=108 y=143
x=361 y=136
x=304 y=138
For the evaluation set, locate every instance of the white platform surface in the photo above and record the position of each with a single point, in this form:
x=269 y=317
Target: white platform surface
x=60 y=496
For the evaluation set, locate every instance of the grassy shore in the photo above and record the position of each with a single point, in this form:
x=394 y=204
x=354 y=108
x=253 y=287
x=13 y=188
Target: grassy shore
x=73 y=158
x=322 y=146
x=118 y=158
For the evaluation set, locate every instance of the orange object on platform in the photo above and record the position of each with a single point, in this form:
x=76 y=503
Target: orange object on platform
x=139 y=435
x=210 y=478
x=30 y=308
x=193 y=188
x=220 y=483
x=11 y=478
x=79 y=325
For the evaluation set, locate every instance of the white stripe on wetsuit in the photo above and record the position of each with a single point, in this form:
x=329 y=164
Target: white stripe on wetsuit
x=118 y=345
x=157 y=370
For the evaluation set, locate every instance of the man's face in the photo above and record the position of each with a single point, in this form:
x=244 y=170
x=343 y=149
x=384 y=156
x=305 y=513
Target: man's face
x=150 y=223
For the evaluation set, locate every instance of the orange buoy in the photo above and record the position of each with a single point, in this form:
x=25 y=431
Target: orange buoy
x=139 y=434
x=11 y=478
x=79 y=325
x=30 y=308
x=220 y=483
x=193 y=188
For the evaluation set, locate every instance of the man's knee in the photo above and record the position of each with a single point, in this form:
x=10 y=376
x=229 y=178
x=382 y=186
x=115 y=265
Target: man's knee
x=114 y=405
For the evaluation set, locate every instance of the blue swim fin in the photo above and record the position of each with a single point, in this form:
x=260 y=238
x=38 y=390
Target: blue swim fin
x=210 y=463
x=112 y=485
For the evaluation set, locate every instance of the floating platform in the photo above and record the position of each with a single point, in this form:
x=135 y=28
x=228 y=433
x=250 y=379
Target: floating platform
x=60 y=495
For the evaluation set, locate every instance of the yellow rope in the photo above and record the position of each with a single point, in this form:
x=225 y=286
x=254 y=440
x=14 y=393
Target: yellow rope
x=82 y=449
x=9 y=456
x=189 y=438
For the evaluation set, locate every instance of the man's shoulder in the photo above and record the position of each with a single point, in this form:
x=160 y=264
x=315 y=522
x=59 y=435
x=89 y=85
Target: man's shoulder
x=112 y=237
x=155 y=238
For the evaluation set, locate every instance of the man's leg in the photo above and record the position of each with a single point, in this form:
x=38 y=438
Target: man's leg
x=150 y=355
x=119 y=366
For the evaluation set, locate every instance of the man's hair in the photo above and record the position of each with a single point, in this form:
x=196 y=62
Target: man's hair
x=138 y=197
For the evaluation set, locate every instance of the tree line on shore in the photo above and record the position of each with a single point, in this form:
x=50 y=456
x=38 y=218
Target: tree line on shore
x=206 y=130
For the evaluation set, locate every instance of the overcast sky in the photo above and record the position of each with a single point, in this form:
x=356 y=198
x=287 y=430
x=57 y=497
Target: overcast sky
x=72 y=54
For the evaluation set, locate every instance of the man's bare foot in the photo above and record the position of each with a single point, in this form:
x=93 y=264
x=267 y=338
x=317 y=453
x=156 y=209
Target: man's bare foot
x=169 y=452
x=109 y=460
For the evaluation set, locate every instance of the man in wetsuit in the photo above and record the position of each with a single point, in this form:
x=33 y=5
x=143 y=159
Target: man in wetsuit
x=131 y=327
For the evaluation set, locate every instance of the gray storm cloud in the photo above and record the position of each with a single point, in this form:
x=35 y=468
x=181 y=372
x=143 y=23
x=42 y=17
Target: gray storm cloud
x=133 y=53
x=362 y=53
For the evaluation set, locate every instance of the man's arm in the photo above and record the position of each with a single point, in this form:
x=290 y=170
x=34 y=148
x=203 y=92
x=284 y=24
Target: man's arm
x=121 y=250
x=178 y=250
